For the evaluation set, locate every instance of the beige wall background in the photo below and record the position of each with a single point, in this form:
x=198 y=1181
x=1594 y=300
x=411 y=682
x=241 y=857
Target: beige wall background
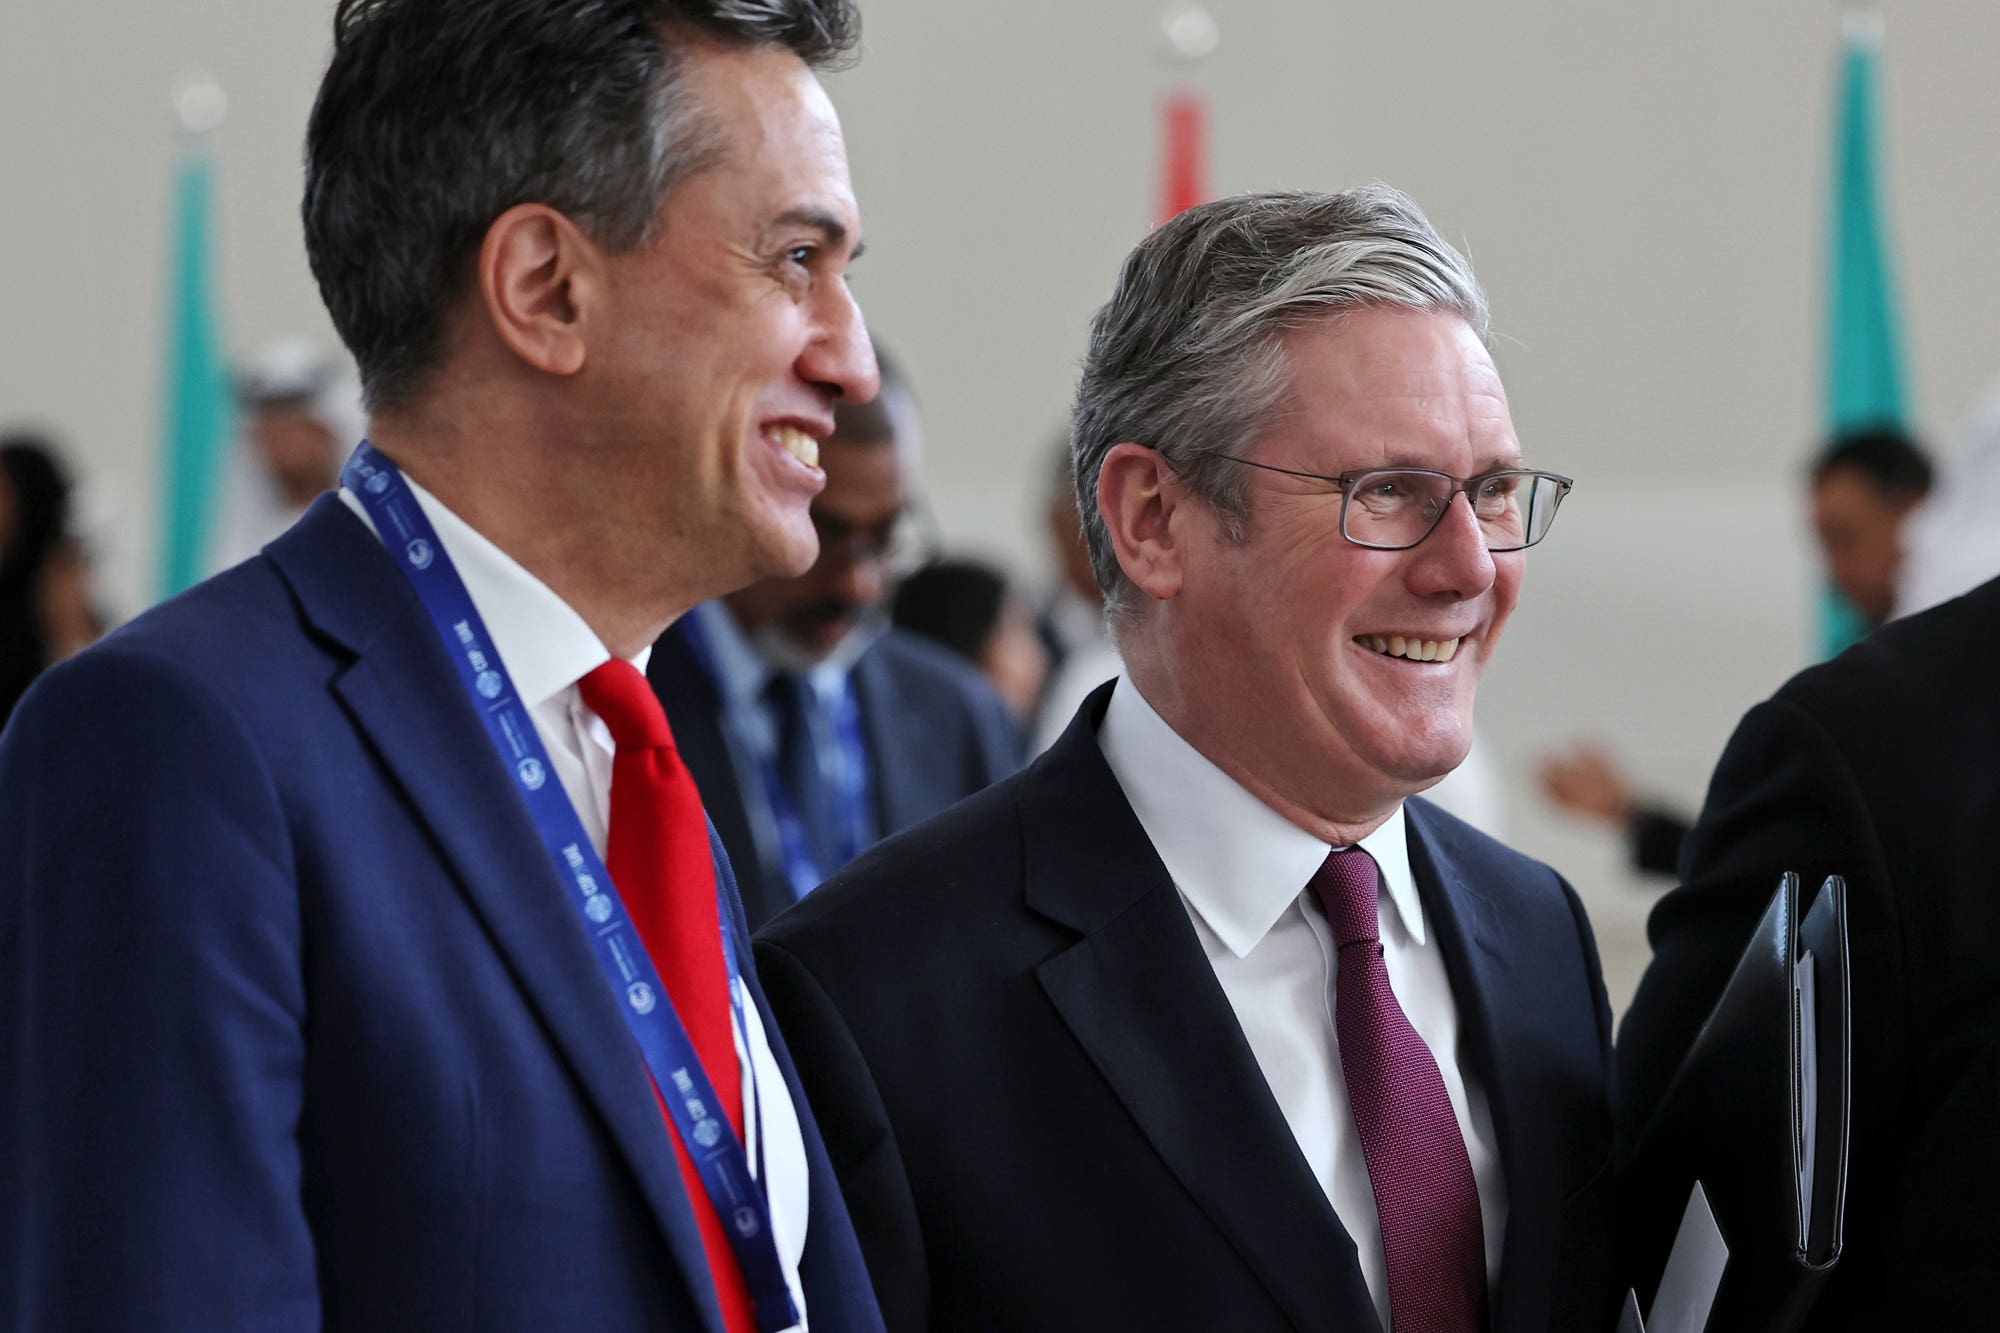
x=1641 y=187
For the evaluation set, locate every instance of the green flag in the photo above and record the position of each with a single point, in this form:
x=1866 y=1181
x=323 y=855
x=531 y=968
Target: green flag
x=195 y=418
x=1864 y=353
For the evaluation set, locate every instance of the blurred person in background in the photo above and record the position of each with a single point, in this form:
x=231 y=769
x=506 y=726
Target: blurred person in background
x=46 y=609
x=967 y=606
x=1584 y=780
x=1082 y=655
x=298 y=412
x=1864 y=491
x=812 y=726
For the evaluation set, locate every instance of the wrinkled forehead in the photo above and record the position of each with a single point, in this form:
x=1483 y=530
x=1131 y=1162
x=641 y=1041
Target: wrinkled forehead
x=1390 y=387
x=1390 y=349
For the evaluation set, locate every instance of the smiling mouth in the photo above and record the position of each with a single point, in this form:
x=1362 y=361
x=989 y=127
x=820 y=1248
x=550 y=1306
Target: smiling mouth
x=1415 y=650
x=796 y=443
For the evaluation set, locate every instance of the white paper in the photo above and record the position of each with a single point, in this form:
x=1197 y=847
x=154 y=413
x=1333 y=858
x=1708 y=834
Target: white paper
x=1693 y=1273
x=1805 y=1010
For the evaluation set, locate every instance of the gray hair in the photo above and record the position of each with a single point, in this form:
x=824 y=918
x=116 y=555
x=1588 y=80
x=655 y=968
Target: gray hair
x=1188 y=355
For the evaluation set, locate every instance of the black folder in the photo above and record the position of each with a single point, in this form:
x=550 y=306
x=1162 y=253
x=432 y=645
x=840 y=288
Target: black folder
x=1758 y=1113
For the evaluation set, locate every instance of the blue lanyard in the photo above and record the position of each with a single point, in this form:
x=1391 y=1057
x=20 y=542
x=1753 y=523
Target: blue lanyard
x=684 y=1087
x=802 y=869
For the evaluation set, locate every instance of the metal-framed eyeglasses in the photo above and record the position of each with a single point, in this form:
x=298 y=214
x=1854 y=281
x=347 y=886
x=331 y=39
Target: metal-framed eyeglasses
x=1392 y=509
x=898 y=545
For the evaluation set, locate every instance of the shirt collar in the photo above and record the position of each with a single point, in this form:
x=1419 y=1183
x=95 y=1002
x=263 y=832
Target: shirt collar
x=1238 y=862
x=546 y=646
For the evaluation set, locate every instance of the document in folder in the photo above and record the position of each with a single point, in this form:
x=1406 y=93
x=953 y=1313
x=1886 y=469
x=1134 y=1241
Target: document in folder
x=1805 y=1094
x=1693 y=1275
x=1757 y=1112
x=1694 y=1271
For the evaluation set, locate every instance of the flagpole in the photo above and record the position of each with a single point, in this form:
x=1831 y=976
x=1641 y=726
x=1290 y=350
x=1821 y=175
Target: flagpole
x=195 y=402
x=1863 y=355
x=1190 y=37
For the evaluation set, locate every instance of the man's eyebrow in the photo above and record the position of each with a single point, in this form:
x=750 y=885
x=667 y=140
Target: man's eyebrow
x=825 y=223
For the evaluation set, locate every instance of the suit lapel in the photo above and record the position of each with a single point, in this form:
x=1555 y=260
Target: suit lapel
x=695 y=710
x=403 y=695
x=1141 y=999
x=1471 y=932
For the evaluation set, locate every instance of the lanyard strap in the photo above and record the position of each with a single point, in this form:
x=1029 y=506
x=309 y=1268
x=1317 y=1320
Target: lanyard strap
x=684 y=1088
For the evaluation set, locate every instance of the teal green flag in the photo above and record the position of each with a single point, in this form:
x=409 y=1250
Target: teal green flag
x=195 y=418
x=1864 y=353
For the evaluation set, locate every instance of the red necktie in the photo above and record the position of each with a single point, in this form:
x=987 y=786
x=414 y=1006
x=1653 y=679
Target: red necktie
x=658 y=854
x=1425 y=1196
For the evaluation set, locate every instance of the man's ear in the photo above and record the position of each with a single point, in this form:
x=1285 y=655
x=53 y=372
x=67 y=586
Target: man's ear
x=540 y=278
x=1138 y=496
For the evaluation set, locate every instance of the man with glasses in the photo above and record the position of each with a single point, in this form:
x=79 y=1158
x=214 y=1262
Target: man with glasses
x=811 y=726
x=1205 y=1021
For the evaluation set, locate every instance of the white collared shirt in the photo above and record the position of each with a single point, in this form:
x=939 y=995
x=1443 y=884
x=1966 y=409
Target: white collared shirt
x=547 y=649
x=1242 y=870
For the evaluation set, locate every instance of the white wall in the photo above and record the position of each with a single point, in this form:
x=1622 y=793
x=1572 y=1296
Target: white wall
x=1641 y=188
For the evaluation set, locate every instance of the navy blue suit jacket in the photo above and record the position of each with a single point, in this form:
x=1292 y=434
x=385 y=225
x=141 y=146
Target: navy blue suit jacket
x=1881 y=766
x=1046 y=1116
x=297 y=1028
x=934 y=730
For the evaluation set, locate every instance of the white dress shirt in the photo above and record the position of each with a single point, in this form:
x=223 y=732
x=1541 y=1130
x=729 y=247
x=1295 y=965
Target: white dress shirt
x=1242 y=871
x=547 y=649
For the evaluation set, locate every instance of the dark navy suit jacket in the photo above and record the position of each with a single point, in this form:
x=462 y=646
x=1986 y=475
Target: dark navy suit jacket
x=1047 y=1117
x=297 y=1028
x=1881 y=766
x=934 y=732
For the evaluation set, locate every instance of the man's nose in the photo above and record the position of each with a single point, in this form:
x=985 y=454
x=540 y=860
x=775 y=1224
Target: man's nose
x=1453 y=560
x=859 y=578
x=841 y=359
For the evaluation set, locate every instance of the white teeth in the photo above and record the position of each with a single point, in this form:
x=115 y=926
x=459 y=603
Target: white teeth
x=796 y=443
x=1415 y=650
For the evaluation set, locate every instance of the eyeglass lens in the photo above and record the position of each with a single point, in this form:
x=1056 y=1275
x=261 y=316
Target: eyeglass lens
x=1398 y=509
x=896 y=543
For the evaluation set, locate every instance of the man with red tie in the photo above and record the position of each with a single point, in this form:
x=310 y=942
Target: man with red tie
x=369 y=962
x=1207 y=1020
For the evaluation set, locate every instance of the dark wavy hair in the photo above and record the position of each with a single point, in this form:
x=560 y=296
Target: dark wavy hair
x=436 y=116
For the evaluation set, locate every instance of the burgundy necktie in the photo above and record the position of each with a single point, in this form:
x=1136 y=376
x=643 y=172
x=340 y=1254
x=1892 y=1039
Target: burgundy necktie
x=1424 y=1192
x=657 y=851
